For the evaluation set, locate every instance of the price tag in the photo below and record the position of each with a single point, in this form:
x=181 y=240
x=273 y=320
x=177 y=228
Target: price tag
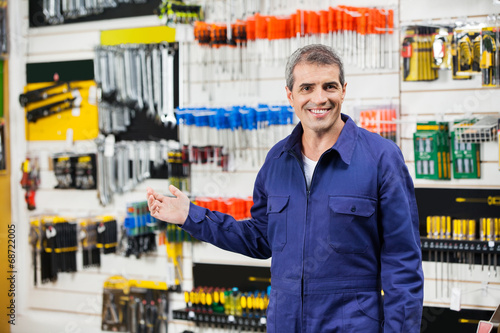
x=191 y=315
x=455 y=299
x=231 y=319
x=263 y=320
x=109 y=146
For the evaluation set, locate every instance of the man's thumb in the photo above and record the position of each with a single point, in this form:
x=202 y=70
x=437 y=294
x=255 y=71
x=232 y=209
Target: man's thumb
x=175 y=191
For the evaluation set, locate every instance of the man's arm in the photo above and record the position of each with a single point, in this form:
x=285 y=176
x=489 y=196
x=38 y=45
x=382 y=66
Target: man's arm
x=248 y=237
x=401 y=256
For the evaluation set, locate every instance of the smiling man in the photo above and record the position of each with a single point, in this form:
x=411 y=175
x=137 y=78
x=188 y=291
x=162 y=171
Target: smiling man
x=334 y=206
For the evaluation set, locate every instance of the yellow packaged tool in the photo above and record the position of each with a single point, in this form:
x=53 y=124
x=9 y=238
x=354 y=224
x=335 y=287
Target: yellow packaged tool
x=490 y=56
x=468 y=47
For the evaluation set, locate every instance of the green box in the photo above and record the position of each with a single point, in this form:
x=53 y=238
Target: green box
x=432 y=151
x=466 y=160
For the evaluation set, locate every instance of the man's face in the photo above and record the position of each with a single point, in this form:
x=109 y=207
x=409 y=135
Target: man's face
x=317 y=97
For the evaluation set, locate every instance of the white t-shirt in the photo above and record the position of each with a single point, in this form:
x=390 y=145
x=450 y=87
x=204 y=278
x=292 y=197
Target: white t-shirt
x=309 y=166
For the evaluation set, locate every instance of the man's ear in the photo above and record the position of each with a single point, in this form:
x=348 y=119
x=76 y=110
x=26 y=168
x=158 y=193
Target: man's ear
x=289 y=96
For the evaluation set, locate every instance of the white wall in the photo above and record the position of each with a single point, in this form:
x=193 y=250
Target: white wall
x=78 y=295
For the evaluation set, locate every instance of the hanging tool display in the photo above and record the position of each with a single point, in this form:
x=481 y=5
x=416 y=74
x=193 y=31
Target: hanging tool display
x=40 y=94
x=52 y=99
x=465 y=156
x=124 y=164
x=134 y=78
x=468 y=43
x=35 y=239
x=91 y=254
x=464 y=241
x=177 y=11
x=140 y=230
x=490 y=53
x=223 y=137
x=115 y=304
x=30 y=181
x=225 y=308
x=441 y=48
x=77 y=171
x=135 y=306
x=363 y=36
x=432 y=150
x=57 y=11
x=179 y=169
x=107 y=233
x=55 y=238
x=379 y=119
x=417 y=54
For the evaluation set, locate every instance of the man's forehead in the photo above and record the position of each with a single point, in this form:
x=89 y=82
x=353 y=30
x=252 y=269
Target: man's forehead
x=333 y=69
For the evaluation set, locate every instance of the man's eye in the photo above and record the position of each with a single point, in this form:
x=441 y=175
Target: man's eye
x=331 y=87
x=306 y=88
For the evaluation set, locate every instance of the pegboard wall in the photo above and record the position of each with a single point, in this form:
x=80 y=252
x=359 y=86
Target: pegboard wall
x=79 y=295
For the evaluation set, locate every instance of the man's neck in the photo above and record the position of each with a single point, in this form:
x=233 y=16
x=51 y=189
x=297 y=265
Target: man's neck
x=315 y=144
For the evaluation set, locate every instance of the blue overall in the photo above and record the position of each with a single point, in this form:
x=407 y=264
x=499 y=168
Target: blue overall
x=336 y=245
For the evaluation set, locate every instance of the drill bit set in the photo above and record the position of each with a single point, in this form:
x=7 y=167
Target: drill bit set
x=465 y=156
x=432 y=150
x=75 y=171
x=231 y=308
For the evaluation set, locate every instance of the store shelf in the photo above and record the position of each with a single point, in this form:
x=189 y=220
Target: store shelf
x=221 y=320
x=460 y=251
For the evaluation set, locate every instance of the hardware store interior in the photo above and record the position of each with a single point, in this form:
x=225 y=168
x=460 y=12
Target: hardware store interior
x=103 y=99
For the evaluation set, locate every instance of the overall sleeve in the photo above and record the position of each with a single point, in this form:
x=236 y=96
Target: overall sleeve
x=401 y=256
x=248 y=237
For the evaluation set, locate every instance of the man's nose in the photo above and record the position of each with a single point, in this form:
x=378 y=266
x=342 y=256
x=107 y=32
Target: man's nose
x=319 y=97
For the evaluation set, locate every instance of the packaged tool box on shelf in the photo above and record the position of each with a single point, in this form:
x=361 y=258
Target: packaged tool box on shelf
x=465 y=157
x=432 y=150
x=134 y=305
x=417 y=54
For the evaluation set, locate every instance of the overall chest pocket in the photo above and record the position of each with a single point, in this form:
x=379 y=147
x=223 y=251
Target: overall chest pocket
x=350 y=221
x=277 y=221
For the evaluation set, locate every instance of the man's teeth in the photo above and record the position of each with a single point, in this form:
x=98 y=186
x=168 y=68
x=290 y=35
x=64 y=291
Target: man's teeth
x=319 y=111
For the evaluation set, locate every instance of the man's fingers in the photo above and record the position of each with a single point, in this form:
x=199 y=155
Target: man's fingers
x=151 y=200
x=174 y=190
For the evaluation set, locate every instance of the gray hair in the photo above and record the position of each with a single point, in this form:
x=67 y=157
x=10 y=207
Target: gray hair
x=313 y=54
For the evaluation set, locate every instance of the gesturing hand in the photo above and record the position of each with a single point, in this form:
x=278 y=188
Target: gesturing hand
x=168 y=209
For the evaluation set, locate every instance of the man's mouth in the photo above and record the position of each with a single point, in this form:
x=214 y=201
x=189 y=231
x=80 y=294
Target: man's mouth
x=319 y=111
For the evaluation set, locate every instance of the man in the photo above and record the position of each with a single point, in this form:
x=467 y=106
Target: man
x=334 y=206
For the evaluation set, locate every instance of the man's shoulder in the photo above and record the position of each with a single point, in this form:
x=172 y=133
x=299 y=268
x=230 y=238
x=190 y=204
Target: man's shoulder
x=377 y=144
x=278 y=148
